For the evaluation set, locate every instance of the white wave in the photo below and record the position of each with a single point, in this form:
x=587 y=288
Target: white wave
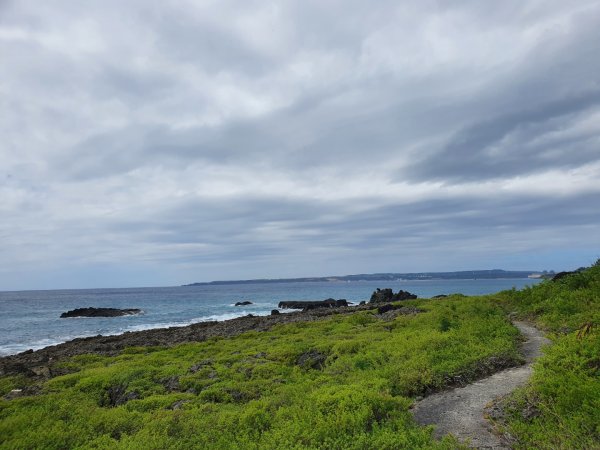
x=14 y=348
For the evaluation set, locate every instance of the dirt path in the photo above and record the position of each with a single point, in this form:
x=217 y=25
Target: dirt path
x=460 y=411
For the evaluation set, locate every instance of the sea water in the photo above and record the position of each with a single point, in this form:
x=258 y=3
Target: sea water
x=31 y=319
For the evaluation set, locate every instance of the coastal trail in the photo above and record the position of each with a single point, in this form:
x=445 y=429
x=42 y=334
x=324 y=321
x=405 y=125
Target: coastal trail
x=460 y=411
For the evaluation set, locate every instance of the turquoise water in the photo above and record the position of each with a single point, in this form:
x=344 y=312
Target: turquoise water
x=30 y=319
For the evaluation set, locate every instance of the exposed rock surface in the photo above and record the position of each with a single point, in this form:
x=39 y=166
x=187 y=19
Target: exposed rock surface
x=99 y=312
x=310 y=305
x=244 y=303
x=460 y=411
x=312 y=359
x=387 y=295
x=117 y=395
x=387 y=307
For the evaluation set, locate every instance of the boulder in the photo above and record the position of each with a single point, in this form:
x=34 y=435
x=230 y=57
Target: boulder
x=312 y=359
x=99 y=312
x=382 y=295
x=117 y=395
x=244 y=303
x=274 y=312
x=387 y=295
x=387 y=307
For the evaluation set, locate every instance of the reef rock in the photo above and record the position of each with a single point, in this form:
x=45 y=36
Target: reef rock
x=99 y=312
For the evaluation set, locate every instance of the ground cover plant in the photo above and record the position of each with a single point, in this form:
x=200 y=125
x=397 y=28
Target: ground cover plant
x=560 y=407
x=346 y=382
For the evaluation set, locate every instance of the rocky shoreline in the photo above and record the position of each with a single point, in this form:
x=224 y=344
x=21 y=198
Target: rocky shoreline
x=45 y=363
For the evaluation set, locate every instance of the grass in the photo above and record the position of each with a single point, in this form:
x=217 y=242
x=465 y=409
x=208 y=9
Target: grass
x=346 y=382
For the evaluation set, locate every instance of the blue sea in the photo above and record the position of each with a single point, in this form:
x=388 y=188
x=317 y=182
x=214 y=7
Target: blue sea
x=30 y=319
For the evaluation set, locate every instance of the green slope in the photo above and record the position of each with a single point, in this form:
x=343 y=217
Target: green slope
x=560 y=408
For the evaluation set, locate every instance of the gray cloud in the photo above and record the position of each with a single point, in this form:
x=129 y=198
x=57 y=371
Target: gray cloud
x=505 y=145
x=181 y=141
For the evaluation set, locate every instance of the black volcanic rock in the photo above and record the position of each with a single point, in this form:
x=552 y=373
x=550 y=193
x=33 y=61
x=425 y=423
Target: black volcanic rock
x=99 y=312
x=387 y=295
x=274 y=312
x=310 y=305
x=244 y=303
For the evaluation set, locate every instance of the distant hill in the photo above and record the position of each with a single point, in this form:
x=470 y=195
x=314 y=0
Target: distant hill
x=461 y=275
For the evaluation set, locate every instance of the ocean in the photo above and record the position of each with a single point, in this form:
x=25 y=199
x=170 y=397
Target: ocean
x=30 y=319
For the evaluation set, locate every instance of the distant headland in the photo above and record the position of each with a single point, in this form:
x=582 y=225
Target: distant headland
x=461 y=275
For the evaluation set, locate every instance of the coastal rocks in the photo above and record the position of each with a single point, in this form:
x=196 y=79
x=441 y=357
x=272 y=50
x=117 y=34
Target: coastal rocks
x=387 y=307
x=99 y=312
x=178 y=404
x=201 y=365
x=312 y=359
x=15 y=393
x=244 y=303
x=117 y=395
x=387 y=295
x=23 y=392
x=42 y=371
x=171 y=384
x=440 y=296
x=389 y=312
x=310 y=305
x=274 y=312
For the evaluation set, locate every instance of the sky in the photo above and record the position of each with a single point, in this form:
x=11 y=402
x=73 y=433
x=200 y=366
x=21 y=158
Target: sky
x=149 y=143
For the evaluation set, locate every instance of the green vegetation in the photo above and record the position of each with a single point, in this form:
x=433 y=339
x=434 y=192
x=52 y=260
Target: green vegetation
x=560 y=407
x=344 y=382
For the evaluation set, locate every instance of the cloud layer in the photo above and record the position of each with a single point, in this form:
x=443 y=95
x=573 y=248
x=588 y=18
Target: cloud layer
x=161 y=143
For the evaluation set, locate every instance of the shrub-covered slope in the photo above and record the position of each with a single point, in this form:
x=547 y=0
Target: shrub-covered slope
x=560 y=408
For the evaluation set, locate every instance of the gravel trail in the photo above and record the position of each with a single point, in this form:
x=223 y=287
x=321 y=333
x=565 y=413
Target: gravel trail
x=460 y=411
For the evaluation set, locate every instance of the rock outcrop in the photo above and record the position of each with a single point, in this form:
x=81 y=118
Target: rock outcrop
x=387 y=295
x=310 y=305
x=99 y=312
x=244 y=303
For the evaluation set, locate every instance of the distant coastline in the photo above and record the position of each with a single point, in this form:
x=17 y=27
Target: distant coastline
x=460 y=275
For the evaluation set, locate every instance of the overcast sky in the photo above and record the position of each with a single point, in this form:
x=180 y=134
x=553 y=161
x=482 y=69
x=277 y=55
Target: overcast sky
x=147 y=143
